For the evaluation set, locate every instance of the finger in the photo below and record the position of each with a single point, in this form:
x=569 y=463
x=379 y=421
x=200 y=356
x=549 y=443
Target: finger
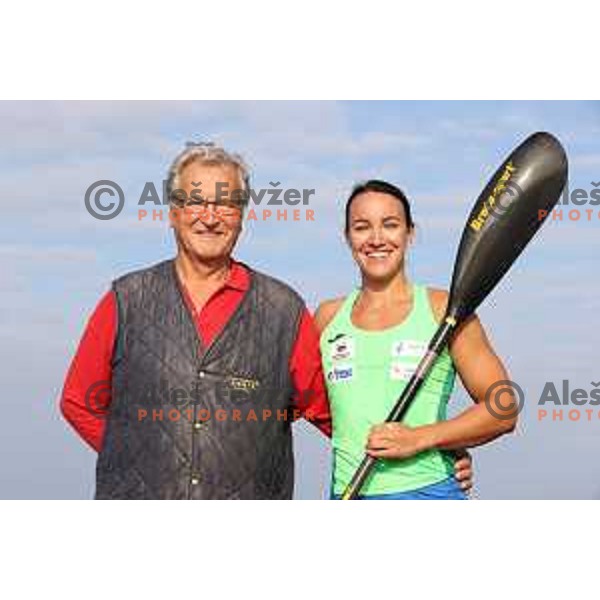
x=463 y=474
x=388 y=427
x=381 y=453
x=466 y=485
x=377 y=444
x=463 y=468
x=392 y=428
x=372 y=441
x=377 y=428
x=378 y=438
x=462 y=464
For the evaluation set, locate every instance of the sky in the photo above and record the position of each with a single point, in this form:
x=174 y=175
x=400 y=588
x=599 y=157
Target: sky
x=57 y=260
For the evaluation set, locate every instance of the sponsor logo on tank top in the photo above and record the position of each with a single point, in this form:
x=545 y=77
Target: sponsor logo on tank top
x=341 y=347
x=401 y=371
x=409 y=348
x=340 y=373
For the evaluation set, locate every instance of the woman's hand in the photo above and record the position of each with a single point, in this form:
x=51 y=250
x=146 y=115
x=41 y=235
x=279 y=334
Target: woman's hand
x=395 y=440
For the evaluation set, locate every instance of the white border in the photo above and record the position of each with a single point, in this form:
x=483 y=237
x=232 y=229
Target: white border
x=304 y=50
x=491 y=549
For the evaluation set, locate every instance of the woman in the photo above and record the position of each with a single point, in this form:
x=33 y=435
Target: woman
x=371 y=342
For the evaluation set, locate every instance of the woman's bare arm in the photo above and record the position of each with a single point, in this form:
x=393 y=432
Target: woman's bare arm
x=479 y=368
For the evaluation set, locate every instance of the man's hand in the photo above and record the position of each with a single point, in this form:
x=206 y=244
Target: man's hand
x=463 y=470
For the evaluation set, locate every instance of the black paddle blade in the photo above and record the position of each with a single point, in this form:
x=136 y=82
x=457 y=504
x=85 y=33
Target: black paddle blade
x=509 y=211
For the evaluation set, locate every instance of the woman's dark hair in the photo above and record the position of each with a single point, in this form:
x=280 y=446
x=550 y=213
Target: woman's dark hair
x=383 y=187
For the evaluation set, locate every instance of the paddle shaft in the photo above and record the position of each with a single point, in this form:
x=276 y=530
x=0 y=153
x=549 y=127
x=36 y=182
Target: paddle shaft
x=437 y=344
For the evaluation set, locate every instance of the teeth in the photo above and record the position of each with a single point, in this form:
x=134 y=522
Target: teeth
x=377 y=254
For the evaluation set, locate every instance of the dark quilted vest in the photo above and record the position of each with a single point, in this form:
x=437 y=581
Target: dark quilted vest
x=214 y=437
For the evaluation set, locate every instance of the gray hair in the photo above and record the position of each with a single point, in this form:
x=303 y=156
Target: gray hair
x=205 y=153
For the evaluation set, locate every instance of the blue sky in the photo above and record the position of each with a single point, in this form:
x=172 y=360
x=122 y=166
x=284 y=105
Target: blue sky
x=57 y=260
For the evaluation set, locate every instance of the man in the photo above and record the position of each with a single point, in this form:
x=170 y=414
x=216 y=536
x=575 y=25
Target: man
x=190 y=372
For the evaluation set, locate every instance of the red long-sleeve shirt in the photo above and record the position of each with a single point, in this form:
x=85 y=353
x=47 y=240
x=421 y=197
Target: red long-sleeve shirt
x=91 y=365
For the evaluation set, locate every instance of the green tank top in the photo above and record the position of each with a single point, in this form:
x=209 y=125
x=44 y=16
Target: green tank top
x=366 y=372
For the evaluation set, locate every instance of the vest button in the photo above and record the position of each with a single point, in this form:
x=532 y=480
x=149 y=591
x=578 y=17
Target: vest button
x=197 y=425
x=201 y=374
x=195 y=480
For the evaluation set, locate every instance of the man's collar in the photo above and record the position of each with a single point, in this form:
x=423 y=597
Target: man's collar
x=239 y=277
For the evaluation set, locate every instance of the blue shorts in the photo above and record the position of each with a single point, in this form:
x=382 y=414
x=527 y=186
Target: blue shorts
x=448 y=489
